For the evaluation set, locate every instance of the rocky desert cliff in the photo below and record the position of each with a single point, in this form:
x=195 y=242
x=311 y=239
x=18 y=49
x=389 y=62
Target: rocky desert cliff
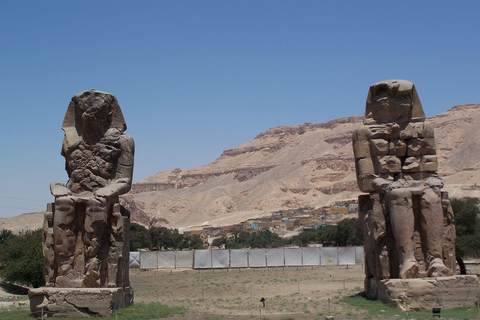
x=308 y=165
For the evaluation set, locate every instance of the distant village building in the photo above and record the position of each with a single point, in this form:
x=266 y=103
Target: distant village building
x=336 y=209
x=308 y=218
x=193 y=232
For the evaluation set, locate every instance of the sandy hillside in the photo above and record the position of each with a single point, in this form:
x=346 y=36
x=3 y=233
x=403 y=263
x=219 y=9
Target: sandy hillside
x=308 y=165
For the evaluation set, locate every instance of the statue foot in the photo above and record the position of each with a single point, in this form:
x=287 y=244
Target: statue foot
x=409 y=269
x=111 y=285
x=438 y=269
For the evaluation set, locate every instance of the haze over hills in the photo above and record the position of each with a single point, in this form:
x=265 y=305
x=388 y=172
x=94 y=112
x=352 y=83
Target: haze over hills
x=308 y=165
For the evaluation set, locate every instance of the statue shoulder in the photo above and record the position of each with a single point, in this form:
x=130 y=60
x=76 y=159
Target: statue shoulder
x=362 y=132
x=428 y=131
x=128 y=150
x=127 y=143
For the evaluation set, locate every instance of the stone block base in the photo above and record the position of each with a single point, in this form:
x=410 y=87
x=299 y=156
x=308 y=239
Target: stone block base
x=61 y=302
x=425 y=293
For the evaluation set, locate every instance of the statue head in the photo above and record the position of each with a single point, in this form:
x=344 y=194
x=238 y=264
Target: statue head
x=393 y=101
x=91 y=113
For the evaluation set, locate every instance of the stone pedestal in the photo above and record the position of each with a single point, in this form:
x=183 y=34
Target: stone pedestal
x=425 y=293
x=60 y=302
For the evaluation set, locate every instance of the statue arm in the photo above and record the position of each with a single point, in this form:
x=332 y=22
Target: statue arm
x=123 y=179
x=434 y=182
x=58 y=189
x=363 y=159
x=380 y=184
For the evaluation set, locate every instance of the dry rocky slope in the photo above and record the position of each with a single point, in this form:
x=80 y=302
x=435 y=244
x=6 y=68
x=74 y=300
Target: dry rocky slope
x=307 y=165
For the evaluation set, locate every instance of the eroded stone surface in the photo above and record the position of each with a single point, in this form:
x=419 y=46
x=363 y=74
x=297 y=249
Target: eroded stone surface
x=407 y=220
x=426 y=293
x=61 y=302
x=86 y=230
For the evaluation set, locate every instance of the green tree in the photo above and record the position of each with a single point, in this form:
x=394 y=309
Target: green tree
x=349 y=233
x=177 y=239
x=244 y=239
x=467 y=224
x=21 y=259
x=139 y=237
x=220 y=241
x=5 y=234
x=161 y=238
x=239 y=239
x=193 y=242
x=346 y=233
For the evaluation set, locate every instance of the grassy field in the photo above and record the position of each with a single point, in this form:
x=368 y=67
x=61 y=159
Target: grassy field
x=290 y=293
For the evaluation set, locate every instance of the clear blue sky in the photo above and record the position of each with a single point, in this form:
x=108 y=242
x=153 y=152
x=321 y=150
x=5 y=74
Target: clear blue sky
x=194 y=78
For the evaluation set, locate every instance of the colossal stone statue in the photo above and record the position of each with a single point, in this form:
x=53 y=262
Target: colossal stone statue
x=86 y=231
x=407 y=220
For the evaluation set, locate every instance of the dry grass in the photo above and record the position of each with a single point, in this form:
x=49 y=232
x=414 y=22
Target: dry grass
x=290 y=293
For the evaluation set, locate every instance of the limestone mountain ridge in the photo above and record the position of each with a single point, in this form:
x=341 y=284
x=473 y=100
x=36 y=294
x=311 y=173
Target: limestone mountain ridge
x=308 y=165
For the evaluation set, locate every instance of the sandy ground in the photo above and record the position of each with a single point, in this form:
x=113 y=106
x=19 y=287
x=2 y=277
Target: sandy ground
x=10 y=302
x=290 y=293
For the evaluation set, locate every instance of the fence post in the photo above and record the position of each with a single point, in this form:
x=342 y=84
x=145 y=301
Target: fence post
x=265 y=252
x=338 y=257
x=329 y=307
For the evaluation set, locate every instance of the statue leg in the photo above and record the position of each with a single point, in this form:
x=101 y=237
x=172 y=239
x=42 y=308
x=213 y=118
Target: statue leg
x=48 y=245
x=399 y=202
x=64 y=240
x=431 y=224
x=116 y=246
x=95 y=224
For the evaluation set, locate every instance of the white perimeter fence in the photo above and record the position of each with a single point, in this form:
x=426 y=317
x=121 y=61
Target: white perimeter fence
x=247 y=258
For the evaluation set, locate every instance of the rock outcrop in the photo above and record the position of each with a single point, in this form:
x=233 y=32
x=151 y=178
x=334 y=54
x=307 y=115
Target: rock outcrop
x=306 y=165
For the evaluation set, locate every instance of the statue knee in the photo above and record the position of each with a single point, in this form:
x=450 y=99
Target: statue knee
x=96 y=216
x=96 y=204
x=64 y=211
x=64 y=204
x=399 y=196
x=430 y=198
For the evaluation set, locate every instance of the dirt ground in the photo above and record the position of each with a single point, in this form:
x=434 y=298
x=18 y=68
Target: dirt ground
x=289 y=293
x=10 y=301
